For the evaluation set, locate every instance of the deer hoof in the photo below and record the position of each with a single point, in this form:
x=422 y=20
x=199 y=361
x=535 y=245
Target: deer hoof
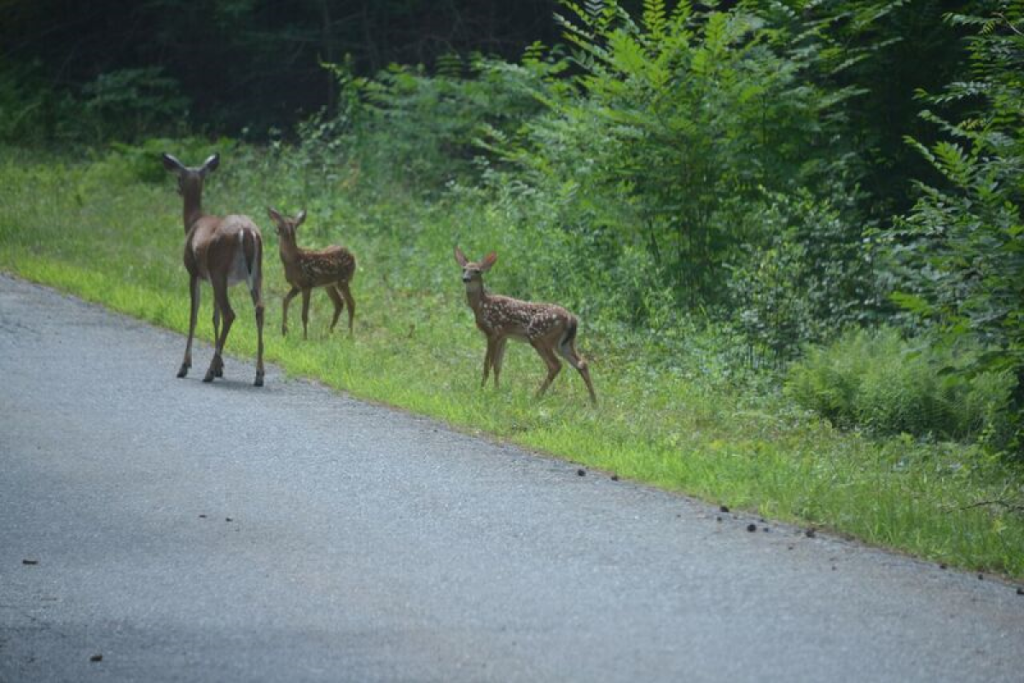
x=183 y=370
x=216 y=369
x=259 y=380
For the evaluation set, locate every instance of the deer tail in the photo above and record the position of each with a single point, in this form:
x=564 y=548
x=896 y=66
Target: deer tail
x=252 y=248
x=566 y=345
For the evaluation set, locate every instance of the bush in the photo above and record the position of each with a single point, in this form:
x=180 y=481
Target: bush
x=879 y=381
x=32 y=110
x=421 y=130
x=959 y=252
x=671 y=117
x=127 y=104
x=126 y=163
x=804 y=275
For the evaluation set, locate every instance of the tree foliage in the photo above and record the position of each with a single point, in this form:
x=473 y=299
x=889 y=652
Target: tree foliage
x=686 y=111
x=960 y=250
x=242 y=64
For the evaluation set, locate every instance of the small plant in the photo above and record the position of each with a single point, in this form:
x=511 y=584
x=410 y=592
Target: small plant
x=876 y=380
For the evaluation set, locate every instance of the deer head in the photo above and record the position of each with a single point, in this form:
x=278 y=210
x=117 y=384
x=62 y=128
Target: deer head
x=190 y=178
x=286 y=227
x=473 y=271
x=190 y=183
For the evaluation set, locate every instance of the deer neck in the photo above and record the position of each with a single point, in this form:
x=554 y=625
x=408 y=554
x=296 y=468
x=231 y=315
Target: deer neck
x=476 y=295
x=289 y=250
x=291 y=258
x=193 y=207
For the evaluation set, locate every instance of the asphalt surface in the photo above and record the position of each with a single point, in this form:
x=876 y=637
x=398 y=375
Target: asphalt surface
x=194 y=532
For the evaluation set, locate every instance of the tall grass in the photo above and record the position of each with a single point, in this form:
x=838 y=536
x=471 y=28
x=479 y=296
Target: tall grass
x=672 y=412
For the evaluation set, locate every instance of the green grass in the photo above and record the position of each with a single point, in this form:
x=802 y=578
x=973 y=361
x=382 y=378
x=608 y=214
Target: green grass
x=677 y=421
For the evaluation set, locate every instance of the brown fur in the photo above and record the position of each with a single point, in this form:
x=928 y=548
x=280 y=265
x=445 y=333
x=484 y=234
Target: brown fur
x=549 y=328
x=221 y=251
x=332 y=268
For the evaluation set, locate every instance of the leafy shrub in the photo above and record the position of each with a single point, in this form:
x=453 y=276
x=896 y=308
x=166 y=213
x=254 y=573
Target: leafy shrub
x=128 y=103
x=959 y=251
x=671 y=116
x=420 y=129
x=802 y=277
x=125 y=105
x=772 y=311
x=32 y=110
x=877 y=380
x=129 y=163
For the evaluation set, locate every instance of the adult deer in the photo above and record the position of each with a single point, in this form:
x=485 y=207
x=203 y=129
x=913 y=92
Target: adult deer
x=331 y=268
x=550 y=329
x=222 y=251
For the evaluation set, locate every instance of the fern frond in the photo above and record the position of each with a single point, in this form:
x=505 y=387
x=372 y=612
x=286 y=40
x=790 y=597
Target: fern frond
x=655 y=19
x=449 y=65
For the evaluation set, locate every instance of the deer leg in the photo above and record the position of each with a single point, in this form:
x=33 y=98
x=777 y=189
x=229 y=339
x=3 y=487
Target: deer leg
x=305 y=312
x=257 y=302
x=551 y=360
x=220 y=295
x=569 y=352
x=338 y=304
x=350 y=302
x=488 y=358
x=497 y=358
x=216 y=334
x=193 y=289
x=284 y=313
x=585 y=374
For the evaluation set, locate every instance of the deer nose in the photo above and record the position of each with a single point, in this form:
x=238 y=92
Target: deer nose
x=466 y=277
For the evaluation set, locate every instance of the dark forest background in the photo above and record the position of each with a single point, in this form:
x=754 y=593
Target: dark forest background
x=254 y=64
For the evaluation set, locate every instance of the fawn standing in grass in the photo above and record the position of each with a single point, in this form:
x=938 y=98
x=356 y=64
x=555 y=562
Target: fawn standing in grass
x=331 y=268
x=550 y=329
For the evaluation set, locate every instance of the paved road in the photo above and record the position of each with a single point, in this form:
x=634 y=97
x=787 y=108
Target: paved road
x=192 y=532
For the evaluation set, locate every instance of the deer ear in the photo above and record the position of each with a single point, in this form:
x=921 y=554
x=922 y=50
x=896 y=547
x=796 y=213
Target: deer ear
x=301 y=218
x=211 y=164
x=172 y=164
x=274 y=215
x=460 y=258
x=489 y=261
